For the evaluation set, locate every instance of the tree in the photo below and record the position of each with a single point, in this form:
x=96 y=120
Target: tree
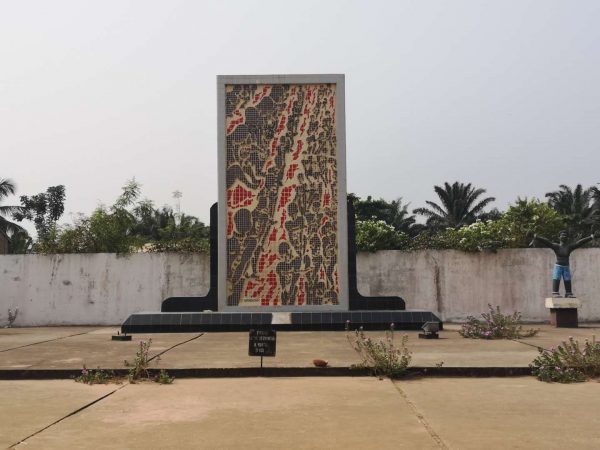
x=393 y=213
x=578 y=208
x=460 y=205
x=126 y=225
x=7 y=187
x=44 y=209
x=20 y=242
x=527 y=217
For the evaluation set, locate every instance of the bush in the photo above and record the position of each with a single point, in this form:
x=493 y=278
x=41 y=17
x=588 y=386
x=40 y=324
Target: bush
x=526 y=217
x=495 y=325
x=186 y=245
x=479 y=236
x=568 y=362
x=373 y=235
x=382 y=358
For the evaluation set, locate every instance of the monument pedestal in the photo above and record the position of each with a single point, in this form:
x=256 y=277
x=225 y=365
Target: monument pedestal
x=563 y=312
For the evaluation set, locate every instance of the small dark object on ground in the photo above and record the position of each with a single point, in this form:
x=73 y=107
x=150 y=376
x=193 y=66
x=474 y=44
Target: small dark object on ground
x=121 y=337
x=431 y=330
x=320 y=363
x=429 y=336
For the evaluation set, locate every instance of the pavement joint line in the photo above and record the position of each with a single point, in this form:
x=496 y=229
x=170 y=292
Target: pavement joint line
x=527 y=343
x=436 y=437
x=172 y=347
x=43 y=342
x=67 y=416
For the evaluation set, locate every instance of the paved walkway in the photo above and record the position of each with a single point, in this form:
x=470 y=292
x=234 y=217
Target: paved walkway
x=298 y=413
x=301 y=413
x=72 y=347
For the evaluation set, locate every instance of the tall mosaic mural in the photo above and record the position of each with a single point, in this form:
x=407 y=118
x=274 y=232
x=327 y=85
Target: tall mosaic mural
x=281 y=195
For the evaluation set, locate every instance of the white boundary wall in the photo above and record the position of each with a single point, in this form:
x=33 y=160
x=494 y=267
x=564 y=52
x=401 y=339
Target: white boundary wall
x=95 y=289
x=103 y=289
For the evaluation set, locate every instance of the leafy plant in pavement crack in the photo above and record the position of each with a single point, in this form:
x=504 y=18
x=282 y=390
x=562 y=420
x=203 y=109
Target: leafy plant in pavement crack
x=139 y=367
x=382 y=357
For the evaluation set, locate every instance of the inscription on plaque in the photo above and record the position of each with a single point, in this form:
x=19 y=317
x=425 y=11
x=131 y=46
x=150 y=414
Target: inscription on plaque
x=262 y=343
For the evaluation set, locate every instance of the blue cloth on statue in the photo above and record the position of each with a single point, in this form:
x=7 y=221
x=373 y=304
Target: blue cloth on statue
x=561 y=271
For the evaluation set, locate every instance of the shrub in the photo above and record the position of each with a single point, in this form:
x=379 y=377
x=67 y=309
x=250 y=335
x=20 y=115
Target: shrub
x=568 y=362
x=495 y=325
x=382 y=358
x=373 y=235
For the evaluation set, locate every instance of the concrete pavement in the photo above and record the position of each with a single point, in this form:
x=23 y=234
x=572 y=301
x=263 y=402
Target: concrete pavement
x=301 y=413
x=28 y=349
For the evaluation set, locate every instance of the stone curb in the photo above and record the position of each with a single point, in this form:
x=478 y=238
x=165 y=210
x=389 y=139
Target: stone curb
x=241 y=372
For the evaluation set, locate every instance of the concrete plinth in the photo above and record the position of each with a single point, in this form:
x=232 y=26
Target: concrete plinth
x=563 y=312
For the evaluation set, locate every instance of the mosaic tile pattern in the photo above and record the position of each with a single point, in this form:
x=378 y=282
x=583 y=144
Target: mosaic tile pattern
x=281 y=175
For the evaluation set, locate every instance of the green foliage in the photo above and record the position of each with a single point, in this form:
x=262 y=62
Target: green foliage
x=382 y=358
x=164 y=377
x=184 y=245
x=495 y=325
x=97 y=376
x=528 y=217
x=568 y=362
x=373 y=235
x=460 y=205
x=125 y=226
x=512 y=230
x=8 y=187
x=479 y=236
x=20 y=242
x=44 y=209
x=138 y=369
x=578 y=208
x=393 y=213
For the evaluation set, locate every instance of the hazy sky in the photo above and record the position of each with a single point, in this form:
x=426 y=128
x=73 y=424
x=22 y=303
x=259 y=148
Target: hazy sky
x=503 y=94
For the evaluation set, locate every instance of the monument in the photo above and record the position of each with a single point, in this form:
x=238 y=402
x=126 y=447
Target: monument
x=563 y=311
x=283 y=254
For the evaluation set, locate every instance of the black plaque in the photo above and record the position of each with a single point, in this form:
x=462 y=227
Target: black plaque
x=262 y=343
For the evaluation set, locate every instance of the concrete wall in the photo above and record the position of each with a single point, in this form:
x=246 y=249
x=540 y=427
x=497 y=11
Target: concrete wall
x=458 y=284
x=103 y=289
x=95 y=289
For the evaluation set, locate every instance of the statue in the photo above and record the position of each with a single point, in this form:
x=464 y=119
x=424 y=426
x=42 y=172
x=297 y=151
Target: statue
x=562 y=250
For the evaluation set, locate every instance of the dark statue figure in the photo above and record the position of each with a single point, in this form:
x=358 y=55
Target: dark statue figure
x=562 y=250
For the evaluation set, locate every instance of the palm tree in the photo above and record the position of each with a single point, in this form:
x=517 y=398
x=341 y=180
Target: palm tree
x=393 y=213
x=577 y=206
x=460 y=205
x=7 y=187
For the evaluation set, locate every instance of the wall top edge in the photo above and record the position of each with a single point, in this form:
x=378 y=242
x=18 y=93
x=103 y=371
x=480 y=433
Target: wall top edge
x=283 y=79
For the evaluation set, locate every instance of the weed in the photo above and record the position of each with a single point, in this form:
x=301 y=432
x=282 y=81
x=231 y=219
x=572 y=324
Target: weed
x=568 y=363
x=382 y=358
x=495 y=325
x=97 y=376
x=138 y=369
x=164 y=377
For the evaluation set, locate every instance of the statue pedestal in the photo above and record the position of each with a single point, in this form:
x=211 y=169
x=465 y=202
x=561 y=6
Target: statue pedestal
x=563 y=312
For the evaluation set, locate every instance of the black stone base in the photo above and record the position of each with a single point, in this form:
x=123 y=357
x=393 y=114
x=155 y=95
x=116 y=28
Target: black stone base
x=185 y=322
x=564 y=317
